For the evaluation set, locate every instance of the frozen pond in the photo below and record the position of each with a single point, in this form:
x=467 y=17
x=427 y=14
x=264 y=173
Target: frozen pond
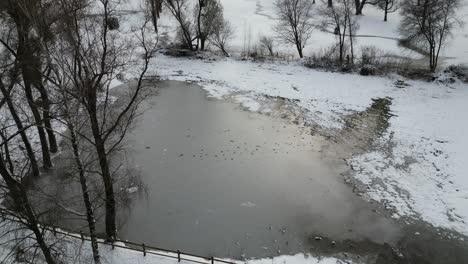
x=226 y=182
x=221 y=181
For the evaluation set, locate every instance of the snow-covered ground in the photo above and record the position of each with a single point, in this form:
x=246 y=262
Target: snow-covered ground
x=122 y=256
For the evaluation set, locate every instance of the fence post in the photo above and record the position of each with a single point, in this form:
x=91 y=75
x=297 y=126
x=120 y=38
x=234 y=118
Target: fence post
x=55 y=231
x=82 y=236
x=212 y=260
x=144 y=250
x=113 y=246
x=178 y=255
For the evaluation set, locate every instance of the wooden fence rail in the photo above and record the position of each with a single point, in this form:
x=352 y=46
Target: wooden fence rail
x=117 y=243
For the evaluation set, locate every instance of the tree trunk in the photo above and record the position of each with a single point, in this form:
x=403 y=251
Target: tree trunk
x=199 y=30
x=111 y=228
x=29 y=64
x=386 y=11
x=46 y=161
x=299 y=50
x=202 y=43
x=351 y=38
x=47 y=118
x=359 y=6
x=6 y=150
x=432 y=61
x=86 y=199
x=21 y=130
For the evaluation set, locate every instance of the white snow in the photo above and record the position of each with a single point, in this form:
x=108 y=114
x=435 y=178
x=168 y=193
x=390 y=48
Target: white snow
x=122 y=256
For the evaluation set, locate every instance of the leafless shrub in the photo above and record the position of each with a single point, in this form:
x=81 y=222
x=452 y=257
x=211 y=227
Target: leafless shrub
x=327 y=59
x=268 y=44
x=459 y=71
x=223 y=33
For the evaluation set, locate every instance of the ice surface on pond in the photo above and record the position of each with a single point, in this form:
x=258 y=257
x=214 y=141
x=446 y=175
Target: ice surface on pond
x=233 y=182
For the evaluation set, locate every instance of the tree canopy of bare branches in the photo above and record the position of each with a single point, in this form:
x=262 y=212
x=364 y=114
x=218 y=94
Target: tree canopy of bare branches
x=180 y=9
x=428 y=24
x=339 y=18
x=294 y=22
x=388 y=6
x=222 y=34
x=209 y=13
x=91 y=56
x=267 y=43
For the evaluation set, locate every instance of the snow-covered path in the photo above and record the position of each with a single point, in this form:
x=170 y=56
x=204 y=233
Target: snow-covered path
x=425 y=173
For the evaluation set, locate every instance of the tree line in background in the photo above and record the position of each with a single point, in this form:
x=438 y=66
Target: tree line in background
x=425 y=25
x=199 y=22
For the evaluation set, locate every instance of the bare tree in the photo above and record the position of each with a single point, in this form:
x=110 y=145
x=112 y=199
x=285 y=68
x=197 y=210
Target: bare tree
x=91 y=56
x=294 y=26
x=268 y=44
x=14 y=173
x=72 y=119
x=222 y=34
x=28 y=52
x=9 y=70
x=340 y=20
x=154 y=9
x=428 y=24
x=18 y=194
x=180 y=10
x=208 y=14
x=388 y=6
